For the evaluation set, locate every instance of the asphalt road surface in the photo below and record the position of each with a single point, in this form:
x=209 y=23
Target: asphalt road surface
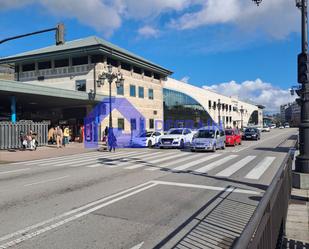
x=138 y=198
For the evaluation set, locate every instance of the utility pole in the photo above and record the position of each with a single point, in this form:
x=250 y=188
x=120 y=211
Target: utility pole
x=302 y=160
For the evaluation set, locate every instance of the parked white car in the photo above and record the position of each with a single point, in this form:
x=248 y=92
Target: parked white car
x=146 y=139
x=176 y=137
x=265 y=129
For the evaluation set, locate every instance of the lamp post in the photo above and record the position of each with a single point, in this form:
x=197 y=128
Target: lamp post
x=302 y=160
x=241 y=117
x=219 y=111
x=110 y=76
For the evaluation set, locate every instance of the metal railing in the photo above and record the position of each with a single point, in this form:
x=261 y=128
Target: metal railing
x=267 y=225
x=10 y=133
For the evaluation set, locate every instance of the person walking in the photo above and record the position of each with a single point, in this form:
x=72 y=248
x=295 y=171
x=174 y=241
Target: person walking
x=112 y=141
x=59 y=136
x=66 y=134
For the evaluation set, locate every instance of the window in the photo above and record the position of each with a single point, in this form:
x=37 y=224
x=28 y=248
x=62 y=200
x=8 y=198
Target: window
x=80 y=60
x=97 y=58
x=209 y=104
x=147 y=73
x=112 y=62
x=150 y=93
x=227 y=119
x=62 y=63
x=28 y=67
x=151 y=123
x=120 y=90
x=215 y=105
x=137 y=70
x=44 y=65
x=230 y=108
x=156 y=76
x=141 y=92
x=133 y=124
x=80 y=85
x=120 y=124
x=132 y=91
x=125 y=66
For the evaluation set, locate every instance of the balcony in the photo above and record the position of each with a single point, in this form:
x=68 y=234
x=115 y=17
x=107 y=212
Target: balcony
x=53 y=72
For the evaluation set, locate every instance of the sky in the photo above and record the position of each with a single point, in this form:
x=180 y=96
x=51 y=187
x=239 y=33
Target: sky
x=229 y=46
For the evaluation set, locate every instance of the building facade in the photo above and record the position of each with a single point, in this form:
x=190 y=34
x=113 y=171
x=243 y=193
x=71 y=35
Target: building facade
x=60 y=84
x=183 y=101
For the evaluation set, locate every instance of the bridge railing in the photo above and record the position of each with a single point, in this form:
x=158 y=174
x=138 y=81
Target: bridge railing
x=10 y=133
x=267 y=225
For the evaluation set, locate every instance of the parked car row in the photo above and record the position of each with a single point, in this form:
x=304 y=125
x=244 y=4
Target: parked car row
x=204 y=139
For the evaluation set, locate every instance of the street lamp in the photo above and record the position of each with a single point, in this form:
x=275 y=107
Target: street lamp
x=219 y=109
x=302 y=160
x=110 y=76
x=241 y=117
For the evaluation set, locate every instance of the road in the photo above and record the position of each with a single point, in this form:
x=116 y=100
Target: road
x=138 y=198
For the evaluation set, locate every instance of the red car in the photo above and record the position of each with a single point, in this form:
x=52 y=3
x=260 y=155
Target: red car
x=233 y=137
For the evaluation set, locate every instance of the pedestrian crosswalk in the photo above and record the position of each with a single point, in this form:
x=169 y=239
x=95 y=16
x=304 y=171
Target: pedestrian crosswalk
x=221 y=165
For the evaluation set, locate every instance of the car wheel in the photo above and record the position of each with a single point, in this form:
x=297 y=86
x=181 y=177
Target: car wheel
x=149 y=144
x=192 y=150
x=223 y=147
x=182 y=144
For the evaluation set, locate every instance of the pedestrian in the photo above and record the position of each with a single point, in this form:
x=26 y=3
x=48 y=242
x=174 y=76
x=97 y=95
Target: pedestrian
x=51 y=132
x=59 y=137
x=112 y=141
x=66 y=134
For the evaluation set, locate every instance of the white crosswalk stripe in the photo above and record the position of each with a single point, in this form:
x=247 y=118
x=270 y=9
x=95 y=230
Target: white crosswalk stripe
x=56 y=159
x=215 y=164
x=235 y=167
x=183 y=158
x=84 y=158
x=132 y=159
x=260 y=168
x=161 y=159
x=196 y=162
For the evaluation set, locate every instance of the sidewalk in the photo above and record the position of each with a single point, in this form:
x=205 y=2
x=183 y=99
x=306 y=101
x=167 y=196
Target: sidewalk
x=42 y=152
x=297 y=224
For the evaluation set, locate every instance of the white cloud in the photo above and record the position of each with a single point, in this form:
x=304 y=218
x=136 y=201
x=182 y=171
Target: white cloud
x=148 y=31
x=185 y=79
x=256 y=91
x=277 y=18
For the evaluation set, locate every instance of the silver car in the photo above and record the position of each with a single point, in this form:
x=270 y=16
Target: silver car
x=208 y=140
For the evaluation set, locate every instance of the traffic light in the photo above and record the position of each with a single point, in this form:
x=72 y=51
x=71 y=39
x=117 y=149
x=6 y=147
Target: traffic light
x=303 y=68
x=60 y=34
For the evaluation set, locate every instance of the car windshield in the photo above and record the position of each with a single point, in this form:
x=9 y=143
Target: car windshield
x=205 y=134
x=250 y=130
x=175 y=132
x=229 y=132
x=146 y=134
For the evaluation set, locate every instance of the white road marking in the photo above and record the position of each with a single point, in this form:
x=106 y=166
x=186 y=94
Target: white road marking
x=235 y=167
x=183 y=158
x=82 y=158
x=154 y=161
x=138 y=246
x=76 y=213
x=260 y=169
x=45 y=181
x=148 y=156
x=196 y=162
x=13 y=171
x=215 y=164
x=187 y=185
x=58 y=158
x=42 y=227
